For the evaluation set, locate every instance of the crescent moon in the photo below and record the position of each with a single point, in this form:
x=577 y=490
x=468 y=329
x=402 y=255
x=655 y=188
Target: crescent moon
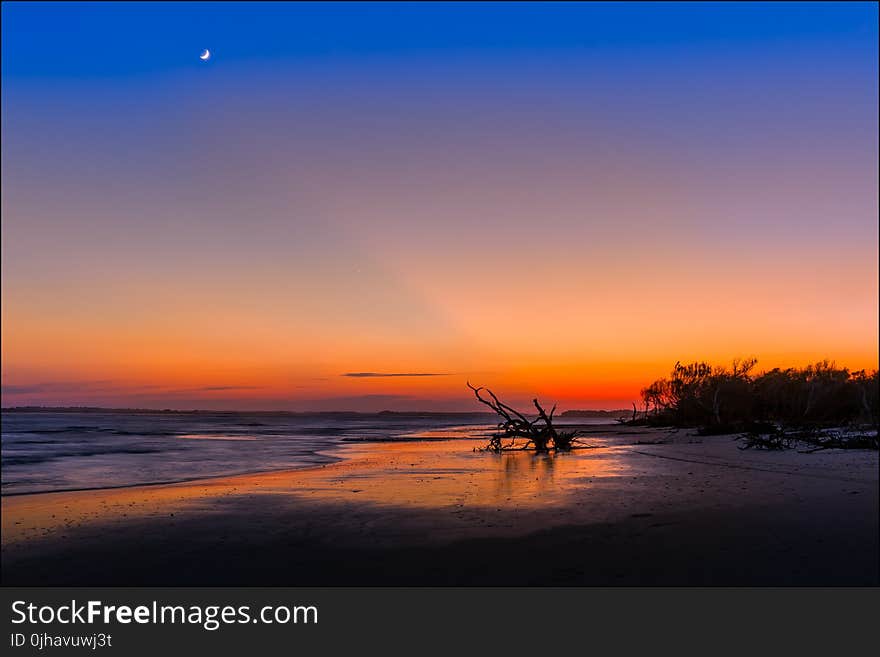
x=205 y=55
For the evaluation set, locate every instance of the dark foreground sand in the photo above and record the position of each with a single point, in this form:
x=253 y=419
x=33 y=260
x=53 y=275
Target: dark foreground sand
x=689 y=511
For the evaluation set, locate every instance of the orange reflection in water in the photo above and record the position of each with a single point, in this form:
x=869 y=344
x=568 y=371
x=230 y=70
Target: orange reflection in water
x=450 y=473
x=431 y=474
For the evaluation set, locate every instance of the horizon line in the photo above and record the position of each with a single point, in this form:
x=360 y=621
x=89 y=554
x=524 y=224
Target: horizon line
x=288 y=412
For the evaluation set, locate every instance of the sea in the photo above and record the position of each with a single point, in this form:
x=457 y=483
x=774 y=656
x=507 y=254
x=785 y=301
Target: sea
x=44 y=451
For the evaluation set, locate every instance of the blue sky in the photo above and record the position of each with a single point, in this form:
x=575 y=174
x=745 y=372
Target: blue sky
x=107 y=39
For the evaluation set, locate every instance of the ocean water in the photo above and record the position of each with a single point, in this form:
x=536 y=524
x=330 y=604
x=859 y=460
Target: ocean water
x=68 y=450
x=77 y=450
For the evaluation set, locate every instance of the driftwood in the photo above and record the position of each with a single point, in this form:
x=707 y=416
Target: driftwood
x=538 y=434
x=813 y=440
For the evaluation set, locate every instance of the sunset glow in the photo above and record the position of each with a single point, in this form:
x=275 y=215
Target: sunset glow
x=430 y=190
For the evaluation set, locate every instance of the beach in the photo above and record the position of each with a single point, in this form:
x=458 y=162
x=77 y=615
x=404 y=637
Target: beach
x=635 y=507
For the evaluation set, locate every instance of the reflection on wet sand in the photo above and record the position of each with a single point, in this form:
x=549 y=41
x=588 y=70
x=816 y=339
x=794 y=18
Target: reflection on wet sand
x=438 y=512
x=421 y=475
x=435 y=476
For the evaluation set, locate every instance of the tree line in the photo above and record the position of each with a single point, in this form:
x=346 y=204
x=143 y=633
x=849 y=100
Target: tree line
x=730 y=399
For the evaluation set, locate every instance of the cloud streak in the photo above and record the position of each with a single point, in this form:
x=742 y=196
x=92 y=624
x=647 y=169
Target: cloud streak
x=379 y=375
x=215 y=388
x=89 y=387
x=54 y=386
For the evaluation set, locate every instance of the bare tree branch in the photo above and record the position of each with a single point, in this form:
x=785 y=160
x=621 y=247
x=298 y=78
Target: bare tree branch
x=539 y=432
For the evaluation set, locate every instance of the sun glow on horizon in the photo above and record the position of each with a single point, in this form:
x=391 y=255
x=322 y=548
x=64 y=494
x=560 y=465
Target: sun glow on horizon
x=563 y=212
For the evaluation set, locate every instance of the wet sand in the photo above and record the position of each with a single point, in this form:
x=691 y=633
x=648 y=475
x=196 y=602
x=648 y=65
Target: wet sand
x=684 y=511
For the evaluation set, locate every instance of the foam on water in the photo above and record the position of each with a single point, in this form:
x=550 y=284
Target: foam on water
x=70 y=450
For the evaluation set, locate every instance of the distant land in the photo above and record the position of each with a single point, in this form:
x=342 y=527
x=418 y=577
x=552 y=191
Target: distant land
x=171 y=411
x=622 y=412
x=614 y=414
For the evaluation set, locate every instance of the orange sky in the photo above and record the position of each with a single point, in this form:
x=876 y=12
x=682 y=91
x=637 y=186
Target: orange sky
x=561 y=223
x=584 y=345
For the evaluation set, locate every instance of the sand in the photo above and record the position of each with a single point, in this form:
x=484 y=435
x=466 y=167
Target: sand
x=684 y=511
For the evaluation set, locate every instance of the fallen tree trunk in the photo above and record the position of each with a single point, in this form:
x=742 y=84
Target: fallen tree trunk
x=539 y=433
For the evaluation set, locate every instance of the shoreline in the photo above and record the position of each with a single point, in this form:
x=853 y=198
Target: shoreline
x=333 y=453
x=436 y=512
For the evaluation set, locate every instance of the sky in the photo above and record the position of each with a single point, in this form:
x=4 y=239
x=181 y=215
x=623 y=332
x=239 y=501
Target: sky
x=363 y=206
